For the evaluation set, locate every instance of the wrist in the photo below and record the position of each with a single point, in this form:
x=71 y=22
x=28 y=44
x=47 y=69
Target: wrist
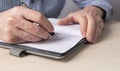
x=99 y=11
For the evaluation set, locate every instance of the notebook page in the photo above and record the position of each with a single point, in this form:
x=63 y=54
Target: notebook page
x=67 y=37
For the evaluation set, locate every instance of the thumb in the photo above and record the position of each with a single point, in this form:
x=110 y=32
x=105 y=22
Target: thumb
x=65 y=21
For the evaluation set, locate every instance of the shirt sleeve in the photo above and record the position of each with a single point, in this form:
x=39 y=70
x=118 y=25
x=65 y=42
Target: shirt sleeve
x=104 y=4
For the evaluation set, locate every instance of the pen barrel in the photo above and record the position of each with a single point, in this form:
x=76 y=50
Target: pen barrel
x=25 y=5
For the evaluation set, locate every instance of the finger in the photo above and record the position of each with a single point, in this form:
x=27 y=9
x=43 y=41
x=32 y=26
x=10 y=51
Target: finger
x=39 y=18
x=32 y=29
x=91 y=28
x=99 y=29
x=66 y=21
x=17 y=40
x=25 y=36
x=82 y=20
x=14 y=40
x=10 y=38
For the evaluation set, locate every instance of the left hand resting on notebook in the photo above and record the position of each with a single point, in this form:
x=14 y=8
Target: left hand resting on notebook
x=90 y=20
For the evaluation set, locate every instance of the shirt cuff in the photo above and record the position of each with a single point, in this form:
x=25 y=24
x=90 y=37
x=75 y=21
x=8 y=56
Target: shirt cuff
x=105 y=5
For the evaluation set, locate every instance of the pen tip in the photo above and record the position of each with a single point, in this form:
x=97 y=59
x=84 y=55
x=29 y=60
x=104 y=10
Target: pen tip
x=53 y=34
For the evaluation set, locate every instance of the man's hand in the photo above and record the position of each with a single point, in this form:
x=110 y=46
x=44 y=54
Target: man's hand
x=90 y=20
x=18 y=25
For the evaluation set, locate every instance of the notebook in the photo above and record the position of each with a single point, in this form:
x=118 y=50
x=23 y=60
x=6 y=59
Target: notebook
x=67 y=39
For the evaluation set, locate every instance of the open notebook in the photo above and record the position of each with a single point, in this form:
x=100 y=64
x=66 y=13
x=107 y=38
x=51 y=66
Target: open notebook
x=67 y=38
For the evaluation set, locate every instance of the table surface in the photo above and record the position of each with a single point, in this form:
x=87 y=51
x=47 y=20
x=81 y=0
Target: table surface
x=102 y=56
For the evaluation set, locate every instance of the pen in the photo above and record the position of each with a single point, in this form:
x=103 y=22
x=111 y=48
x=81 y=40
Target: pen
x=25 y=5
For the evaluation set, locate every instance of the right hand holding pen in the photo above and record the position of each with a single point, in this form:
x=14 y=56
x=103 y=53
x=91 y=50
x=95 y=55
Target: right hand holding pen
x=16 y=26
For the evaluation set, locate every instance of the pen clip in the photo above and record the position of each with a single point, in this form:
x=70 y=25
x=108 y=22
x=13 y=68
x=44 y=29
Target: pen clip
x=23 y=4
x=31 y=1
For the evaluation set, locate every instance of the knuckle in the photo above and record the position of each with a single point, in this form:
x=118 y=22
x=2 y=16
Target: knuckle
x=40 y=17
x=10 y=20
x=17 y=8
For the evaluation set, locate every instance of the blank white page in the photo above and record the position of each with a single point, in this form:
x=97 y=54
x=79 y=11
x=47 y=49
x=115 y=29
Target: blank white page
x=67 y=37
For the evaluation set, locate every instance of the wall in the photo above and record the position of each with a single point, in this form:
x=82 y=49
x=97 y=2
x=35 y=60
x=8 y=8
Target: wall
x=71 y=7
x=116 y=9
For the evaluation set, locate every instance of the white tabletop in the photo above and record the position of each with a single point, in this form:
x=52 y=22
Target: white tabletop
x=102 y=56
